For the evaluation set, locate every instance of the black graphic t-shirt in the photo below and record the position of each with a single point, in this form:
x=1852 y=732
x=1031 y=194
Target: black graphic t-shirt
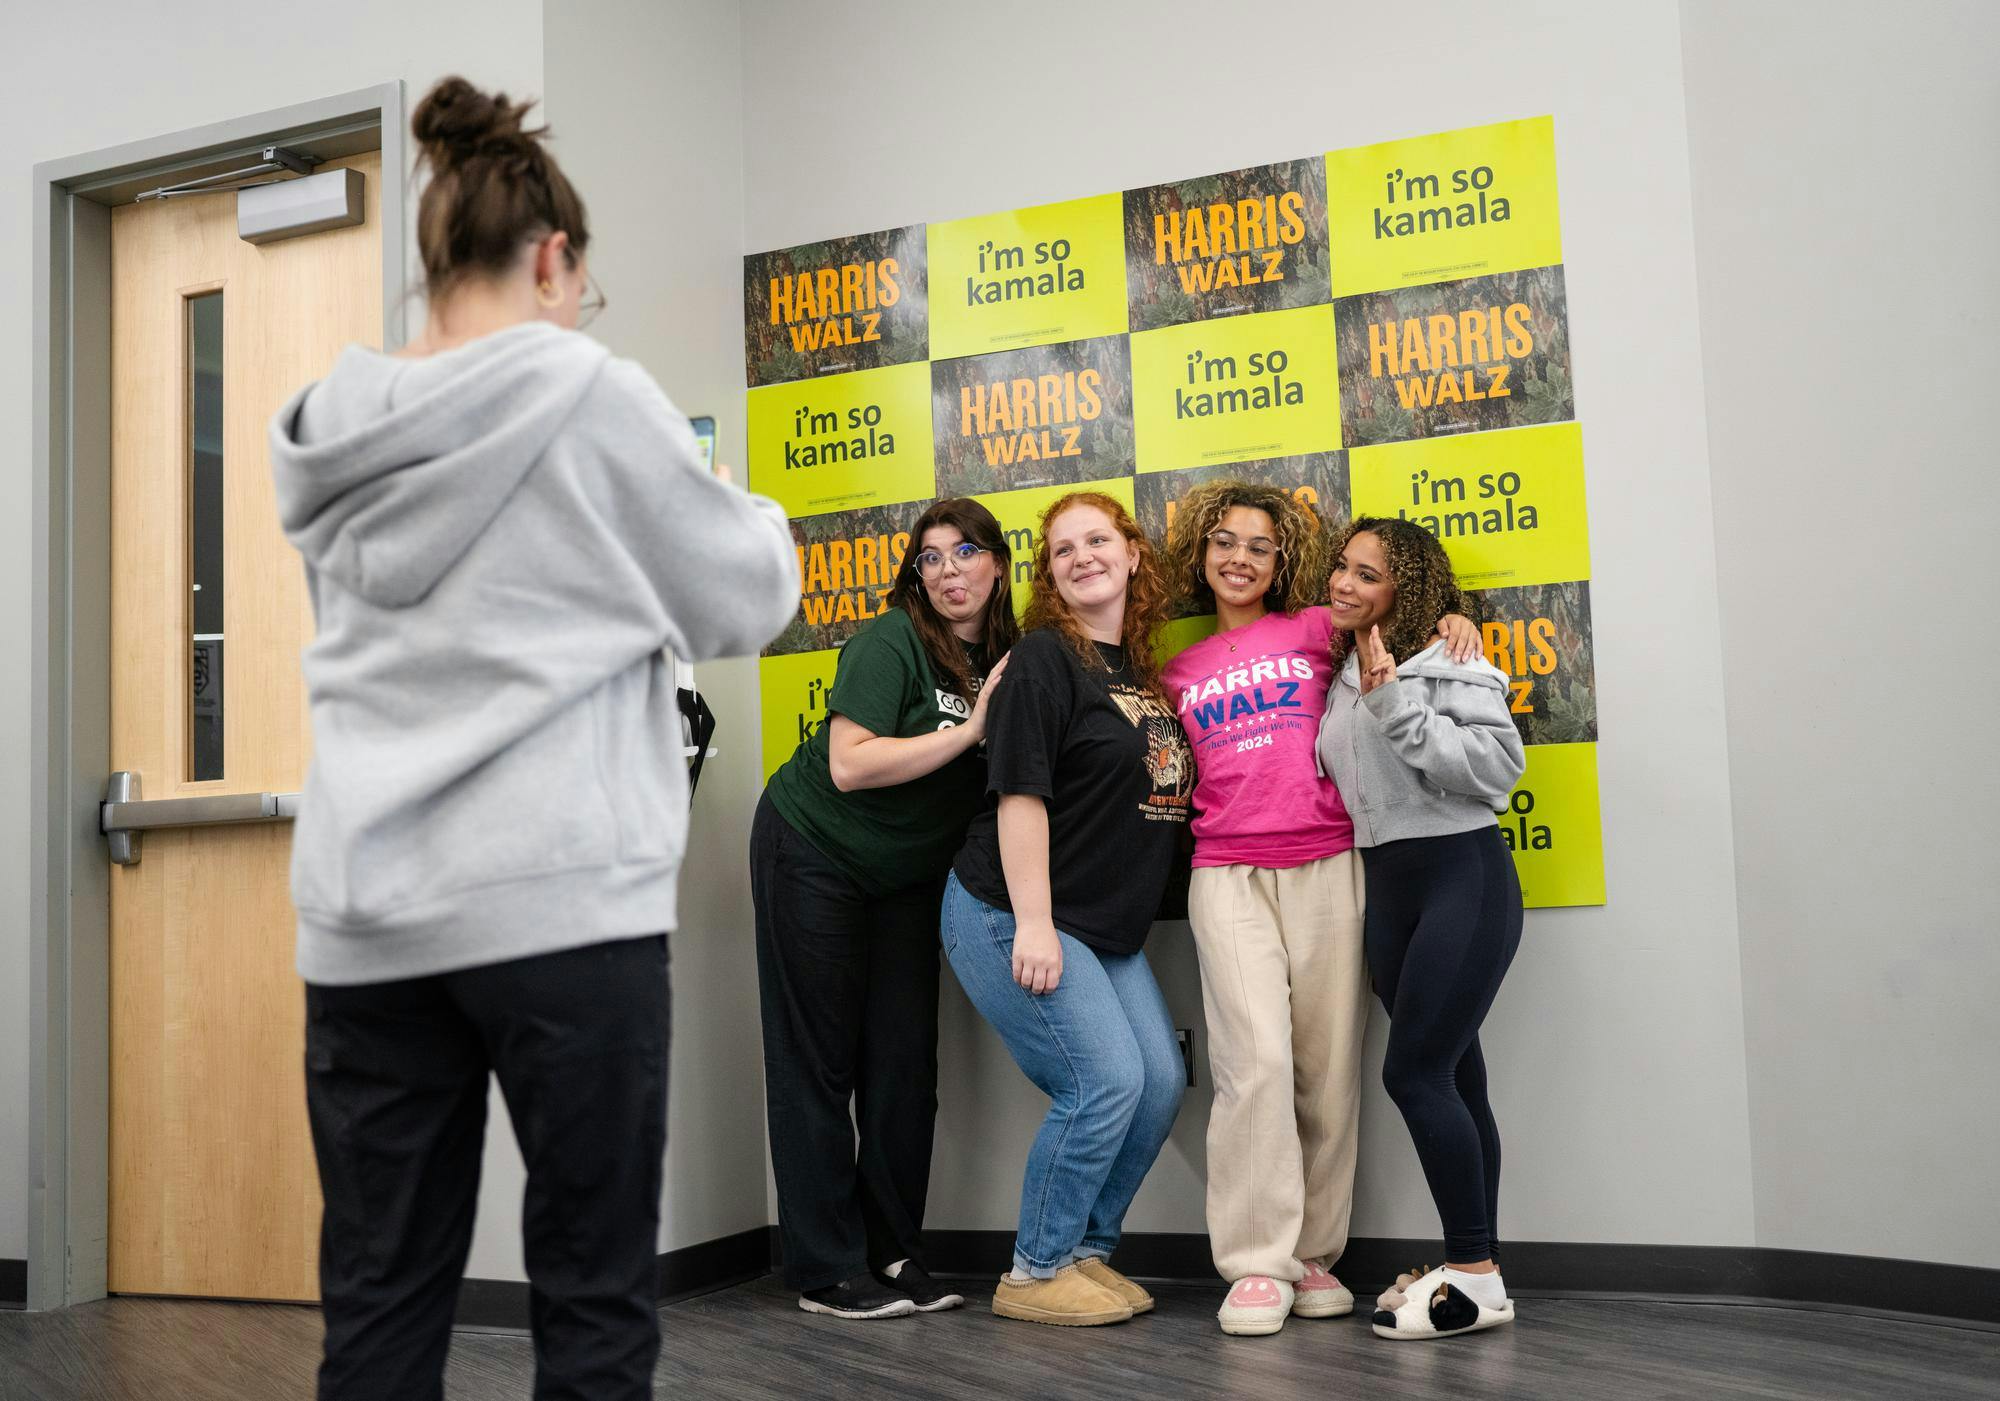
x=886 y=838
x=1109 y=758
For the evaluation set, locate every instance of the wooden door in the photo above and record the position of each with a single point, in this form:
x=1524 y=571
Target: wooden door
x=213 y=1191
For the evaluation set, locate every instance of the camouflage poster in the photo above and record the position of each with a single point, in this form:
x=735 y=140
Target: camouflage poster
x=847 y=565
x=1223 y=245
x=1023 y=418
x=825 y=308
x=1454 y=357
x=1540 y=636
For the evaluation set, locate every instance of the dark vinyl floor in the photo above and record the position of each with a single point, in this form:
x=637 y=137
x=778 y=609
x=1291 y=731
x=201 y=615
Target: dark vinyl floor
x=752 y=1341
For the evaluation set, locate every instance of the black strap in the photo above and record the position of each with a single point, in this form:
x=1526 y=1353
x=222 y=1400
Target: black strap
x=701 y=724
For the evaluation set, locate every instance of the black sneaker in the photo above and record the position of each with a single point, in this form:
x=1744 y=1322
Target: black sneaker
x=861 y=1297
x=926 y=1293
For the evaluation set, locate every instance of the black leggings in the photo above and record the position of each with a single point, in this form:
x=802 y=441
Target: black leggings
x=1443 y=922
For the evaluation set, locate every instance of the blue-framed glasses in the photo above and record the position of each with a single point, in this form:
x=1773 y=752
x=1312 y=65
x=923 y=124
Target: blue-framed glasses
x=930 y=563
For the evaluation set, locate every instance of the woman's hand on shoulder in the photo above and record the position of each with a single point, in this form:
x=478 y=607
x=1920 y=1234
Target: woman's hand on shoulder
x=1460 y=636
x=977 y=724
x=1037 y=957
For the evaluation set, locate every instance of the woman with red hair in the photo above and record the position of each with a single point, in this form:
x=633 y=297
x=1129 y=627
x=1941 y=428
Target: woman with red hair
x=1052 y=896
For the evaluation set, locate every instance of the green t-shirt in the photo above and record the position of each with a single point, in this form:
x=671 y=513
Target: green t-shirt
x=885 y=838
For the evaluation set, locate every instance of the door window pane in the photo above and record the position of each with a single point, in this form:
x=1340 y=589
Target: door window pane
x=204 y=517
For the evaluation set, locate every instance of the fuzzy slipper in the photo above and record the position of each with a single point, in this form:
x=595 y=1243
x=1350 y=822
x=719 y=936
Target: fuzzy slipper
x=1425 y=1306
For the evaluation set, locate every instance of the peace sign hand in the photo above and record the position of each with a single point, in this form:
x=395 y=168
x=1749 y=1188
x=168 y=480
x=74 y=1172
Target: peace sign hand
x=1378 y=667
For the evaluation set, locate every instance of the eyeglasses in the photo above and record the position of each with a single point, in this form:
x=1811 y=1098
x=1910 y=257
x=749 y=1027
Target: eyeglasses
x=930 y=563
x=1221 y=542
x=591 y=304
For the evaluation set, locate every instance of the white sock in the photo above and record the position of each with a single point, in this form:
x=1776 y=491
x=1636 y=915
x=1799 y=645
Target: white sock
x=895 y=1271
x=1483 y=1289
x=1019 y=1276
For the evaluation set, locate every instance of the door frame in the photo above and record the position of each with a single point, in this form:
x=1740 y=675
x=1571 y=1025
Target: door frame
x=69 y=1085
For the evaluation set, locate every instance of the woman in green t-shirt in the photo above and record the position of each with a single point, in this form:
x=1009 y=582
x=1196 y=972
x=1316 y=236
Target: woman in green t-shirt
x=848 y=856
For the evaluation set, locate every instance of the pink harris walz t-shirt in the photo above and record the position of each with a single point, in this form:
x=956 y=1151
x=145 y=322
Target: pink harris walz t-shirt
x=1250 y=701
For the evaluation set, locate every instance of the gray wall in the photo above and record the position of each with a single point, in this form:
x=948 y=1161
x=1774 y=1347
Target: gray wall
x=1847 y=188
x=932 y=111
x=645 y=98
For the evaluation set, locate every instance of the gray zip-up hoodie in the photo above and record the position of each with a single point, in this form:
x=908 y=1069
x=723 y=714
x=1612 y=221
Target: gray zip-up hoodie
x=499 y=541
x=1431 y=753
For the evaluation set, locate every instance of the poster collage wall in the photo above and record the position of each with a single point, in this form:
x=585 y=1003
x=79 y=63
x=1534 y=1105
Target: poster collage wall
x=1380 y=330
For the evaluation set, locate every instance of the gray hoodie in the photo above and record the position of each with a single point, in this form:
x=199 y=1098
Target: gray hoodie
x=499 y=540
x=1431 y=753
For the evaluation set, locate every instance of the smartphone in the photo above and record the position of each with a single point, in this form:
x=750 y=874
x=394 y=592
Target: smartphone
x=704 y=437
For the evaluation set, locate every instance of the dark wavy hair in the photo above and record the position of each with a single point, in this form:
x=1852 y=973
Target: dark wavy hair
x=1296 y=576
x=941 y=644
x=1426 y=587
x=493 y=185
x=1146 y=602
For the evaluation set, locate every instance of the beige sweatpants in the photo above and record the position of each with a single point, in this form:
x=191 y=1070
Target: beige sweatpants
x=1285 y=988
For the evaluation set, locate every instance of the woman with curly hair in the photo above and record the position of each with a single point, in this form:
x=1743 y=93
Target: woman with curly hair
x=1425 y=753
x=1052 y=896
x=1275 y=901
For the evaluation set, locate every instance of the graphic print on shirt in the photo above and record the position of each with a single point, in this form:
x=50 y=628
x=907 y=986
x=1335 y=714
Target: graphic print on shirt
x=957 y=709
x=1169 y=762
x=1246 y=707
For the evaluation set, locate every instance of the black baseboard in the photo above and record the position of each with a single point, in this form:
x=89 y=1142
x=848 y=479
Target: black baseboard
x=1963 y=1293
x=684 y=1273
x=1550 y=1269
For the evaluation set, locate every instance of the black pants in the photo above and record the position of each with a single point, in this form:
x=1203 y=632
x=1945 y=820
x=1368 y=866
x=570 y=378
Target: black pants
x=396 y=1090
x=1443 y=922
x=848 y=984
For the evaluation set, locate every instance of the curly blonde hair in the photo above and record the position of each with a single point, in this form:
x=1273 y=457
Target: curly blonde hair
x=1146 y=602
x=1296 y=576
x=1426 y=587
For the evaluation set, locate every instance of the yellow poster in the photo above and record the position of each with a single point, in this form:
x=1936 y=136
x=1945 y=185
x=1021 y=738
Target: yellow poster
x=1552 y=827
x=794 y=701
x=1508 y=506
x=1020 y=517
x=1182 y=633
x=846 y=441
x=1265 y=385
x=1465 y=203
x=1055 y=272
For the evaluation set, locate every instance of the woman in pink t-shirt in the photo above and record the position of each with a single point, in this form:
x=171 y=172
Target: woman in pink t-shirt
x=1275 y=902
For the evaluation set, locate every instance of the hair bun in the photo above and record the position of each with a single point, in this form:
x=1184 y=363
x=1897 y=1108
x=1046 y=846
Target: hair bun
x=455 y=120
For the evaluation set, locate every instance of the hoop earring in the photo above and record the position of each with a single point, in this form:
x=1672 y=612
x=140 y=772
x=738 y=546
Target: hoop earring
x=548 y=294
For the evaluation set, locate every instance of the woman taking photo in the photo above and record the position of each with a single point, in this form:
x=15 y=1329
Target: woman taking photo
x=848 y=855
x=1051 y=899
x=503 y=526
x=1425 y=753
x=1275 y=902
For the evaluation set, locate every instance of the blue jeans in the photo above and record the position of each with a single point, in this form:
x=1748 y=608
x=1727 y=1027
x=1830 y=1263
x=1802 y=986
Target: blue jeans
x=1102 y=1048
